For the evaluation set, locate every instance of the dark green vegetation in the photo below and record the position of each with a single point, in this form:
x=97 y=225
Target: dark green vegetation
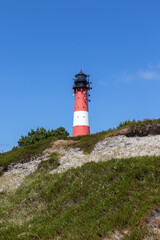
x=90 y=202
x=41 y=134
x=50 y=164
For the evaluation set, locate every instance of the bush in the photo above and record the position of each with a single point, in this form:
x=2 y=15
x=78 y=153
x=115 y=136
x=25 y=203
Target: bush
x=125 y=123
x=144 y=128
x=41 y=134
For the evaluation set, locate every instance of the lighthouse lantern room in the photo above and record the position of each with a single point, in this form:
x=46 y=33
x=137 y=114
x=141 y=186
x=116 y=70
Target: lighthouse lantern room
x=81 y=88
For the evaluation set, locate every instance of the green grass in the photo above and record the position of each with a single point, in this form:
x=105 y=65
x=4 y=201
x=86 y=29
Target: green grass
x=86 y=203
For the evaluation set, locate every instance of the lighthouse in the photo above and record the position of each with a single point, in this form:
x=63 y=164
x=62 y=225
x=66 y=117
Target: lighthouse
x=81 y=88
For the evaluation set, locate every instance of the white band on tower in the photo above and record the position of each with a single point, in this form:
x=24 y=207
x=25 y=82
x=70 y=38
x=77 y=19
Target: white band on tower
x=81 y=118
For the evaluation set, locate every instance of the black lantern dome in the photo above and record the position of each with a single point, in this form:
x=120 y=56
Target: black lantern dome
x=81 y=80
x=80 y=74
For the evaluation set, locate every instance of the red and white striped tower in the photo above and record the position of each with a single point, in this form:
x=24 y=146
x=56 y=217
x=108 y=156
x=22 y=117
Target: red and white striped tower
x=81 y=89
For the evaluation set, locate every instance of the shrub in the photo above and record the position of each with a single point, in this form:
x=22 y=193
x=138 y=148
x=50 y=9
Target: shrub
x=125 y=123
x=41 y=134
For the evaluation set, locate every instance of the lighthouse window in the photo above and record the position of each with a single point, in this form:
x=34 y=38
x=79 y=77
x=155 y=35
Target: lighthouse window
x=77 y=116
x=83 y=116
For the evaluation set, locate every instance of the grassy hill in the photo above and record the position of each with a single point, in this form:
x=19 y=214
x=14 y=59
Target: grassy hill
x=90 y=202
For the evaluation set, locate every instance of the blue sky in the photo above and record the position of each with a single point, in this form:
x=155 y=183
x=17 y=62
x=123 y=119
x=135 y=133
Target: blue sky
x=44 y=43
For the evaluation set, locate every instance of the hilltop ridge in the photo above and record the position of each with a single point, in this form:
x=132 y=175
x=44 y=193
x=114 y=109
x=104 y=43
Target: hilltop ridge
x=85 y=143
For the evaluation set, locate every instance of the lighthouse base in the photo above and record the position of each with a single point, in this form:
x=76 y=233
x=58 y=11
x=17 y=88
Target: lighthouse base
x=80 y=130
